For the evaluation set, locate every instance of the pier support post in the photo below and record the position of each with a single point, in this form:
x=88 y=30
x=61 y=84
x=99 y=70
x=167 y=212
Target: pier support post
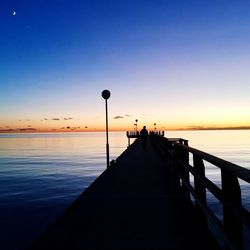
x=200 y=189
x=182 y=159
x=231 y=191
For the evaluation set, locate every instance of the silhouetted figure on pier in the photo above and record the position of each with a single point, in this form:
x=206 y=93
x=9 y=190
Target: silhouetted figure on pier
x=144 y=137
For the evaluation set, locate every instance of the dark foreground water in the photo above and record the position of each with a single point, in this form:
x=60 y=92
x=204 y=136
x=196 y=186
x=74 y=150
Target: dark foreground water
x=41 y=174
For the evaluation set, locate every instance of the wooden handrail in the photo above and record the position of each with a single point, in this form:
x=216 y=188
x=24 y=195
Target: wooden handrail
x=230 y=167
x=235 y=216
x=238 y=211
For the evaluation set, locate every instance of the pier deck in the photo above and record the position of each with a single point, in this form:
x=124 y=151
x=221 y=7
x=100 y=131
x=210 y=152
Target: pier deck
x=135 y=204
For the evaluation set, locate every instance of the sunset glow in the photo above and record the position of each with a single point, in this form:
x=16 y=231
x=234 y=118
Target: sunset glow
x=179 y=64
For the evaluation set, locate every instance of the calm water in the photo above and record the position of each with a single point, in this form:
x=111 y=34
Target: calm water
x=41 y=174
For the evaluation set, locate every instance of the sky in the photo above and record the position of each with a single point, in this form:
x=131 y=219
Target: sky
x=180 y=64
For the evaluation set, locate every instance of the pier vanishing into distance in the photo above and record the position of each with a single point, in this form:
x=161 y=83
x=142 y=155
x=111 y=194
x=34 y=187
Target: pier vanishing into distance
x=155 y=199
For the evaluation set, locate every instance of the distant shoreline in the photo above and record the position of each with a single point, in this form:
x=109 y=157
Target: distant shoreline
x=215 y=128
x=16 y=131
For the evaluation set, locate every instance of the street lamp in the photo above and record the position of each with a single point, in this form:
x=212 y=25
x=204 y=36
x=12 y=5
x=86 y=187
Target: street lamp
x=155 y=126
x=136 y=125
x=106 y=95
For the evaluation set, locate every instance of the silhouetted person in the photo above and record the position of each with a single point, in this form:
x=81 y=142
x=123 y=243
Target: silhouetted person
x=144 y=137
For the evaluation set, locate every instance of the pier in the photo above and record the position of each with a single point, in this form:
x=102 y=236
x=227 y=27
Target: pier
x=147 y=200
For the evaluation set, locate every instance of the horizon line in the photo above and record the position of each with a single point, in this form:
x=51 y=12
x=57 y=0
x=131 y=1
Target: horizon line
x=193 y=128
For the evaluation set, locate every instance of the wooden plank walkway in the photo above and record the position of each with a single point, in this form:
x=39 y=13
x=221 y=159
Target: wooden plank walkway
x=136 y=204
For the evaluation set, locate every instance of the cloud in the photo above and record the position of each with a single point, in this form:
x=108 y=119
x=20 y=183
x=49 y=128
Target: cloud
x=26 y=129
x=86 y=127
x=73 y=128
x=127 y=115
x=118 y=117
x=58 y=119
x=6 y=130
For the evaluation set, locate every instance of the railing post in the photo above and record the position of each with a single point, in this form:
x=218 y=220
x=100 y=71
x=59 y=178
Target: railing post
x=231 y=191
x=183 y=155
x=171 y=153
x=200 y=189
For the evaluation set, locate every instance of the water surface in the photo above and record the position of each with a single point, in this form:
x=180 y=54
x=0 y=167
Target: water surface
x=41 y=174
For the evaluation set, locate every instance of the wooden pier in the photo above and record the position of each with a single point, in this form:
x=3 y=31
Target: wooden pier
x=142 y=201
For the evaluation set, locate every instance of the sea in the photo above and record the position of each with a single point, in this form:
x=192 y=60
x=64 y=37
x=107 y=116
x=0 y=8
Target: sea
x=41 y=174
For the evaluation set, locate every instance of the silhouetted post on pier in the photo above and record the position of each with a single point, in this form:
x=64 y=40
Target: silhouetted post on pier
x=136 y=121
x=106 y=95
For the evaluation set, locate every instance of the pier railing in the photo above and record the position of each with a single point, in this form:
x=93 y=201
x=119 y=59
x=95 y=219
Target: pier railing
x=136 y=134
x=132 y=134
x=228 y=192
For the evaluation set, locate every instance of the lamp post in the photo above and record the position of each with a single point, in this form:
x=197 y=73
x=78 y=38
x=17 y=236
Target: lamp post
x=155 y=126
x=136 y=125
x=106 y=95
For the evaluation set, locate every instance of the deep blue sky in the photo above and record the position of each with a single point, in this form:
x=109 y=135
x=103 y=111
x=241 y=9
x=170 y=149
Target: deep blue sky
x=164 y=61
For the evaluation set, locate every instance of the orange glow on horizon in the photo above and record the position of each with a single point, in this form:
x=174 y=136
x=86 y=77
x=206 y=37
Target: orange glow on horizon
x=69 y=129
x=117 y=123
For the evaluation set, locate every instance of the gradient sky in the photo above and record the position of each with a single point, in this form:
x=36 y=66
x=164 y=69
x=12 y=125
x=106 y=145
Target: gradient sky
x=181 y=64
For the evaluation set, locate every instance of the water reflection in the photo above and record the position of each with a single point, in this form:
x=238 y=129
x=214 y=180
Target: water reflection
x=41 y=174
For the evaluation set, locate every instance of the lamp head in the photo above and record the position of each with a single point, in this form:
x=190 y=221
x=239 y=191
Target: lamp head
x=105 y=94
